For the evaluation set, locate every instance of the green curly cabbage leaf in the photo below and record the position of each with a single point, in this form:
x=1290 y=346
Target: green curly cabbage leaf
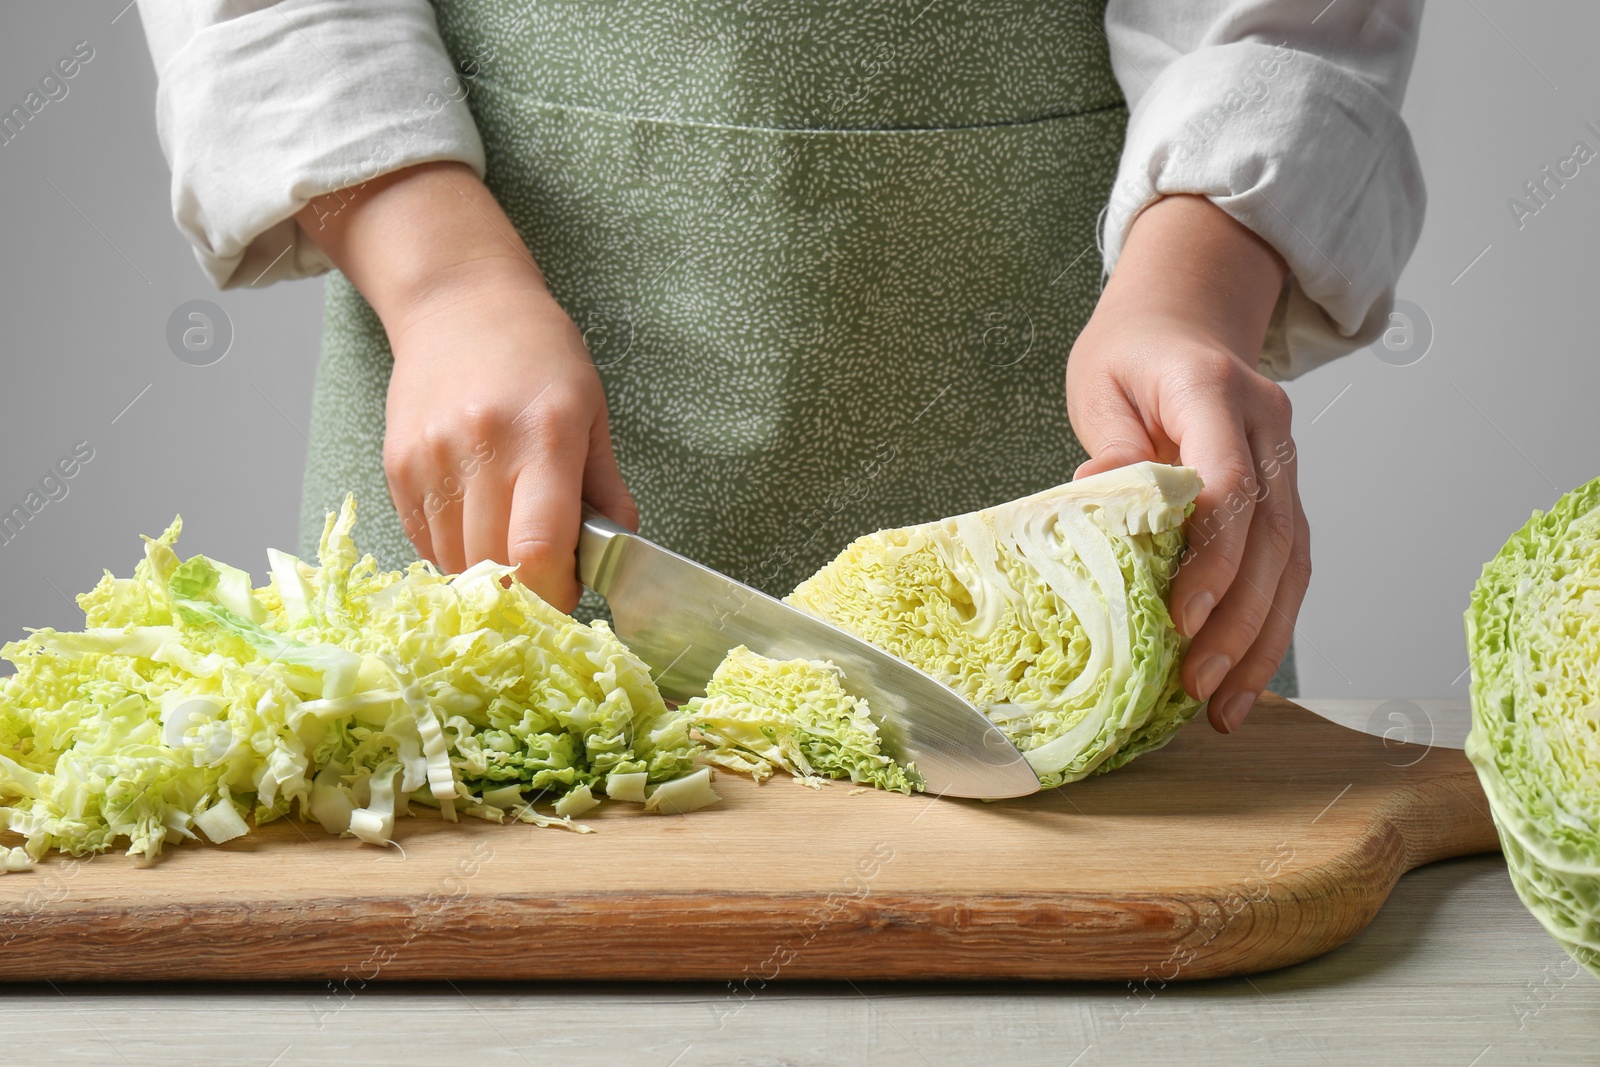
x=1533 y=642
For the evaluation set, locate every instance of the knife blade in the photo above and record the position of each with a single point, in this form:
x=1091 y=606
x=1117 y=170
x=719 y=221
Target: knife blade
x=682 y=618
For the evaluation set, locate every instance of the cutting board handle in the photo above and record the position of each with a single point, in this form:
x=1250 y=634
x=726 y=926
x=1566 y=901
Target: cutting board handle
x=1444 y=814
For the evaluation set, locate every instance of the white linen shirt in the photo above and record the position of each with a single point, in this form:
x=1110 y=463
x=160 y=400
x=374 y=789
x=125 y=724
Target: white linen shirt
x=1283 y=113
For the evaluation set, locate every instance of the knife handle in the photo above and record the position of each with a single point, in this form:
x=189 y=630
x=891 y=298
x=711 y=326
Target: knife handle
x=600 y=543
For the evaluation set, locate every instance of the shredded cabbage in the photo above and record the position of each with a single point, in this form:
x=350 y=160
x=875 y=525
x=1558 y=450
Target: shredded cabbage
x=1048 y=612
x=1533 y=642
x=761 y=713
x=191 y=699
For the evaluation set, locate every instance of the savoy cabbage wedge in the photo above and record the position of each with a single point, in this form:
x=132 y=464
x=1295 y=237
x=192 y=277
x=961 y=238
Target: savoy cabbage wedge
x=1048 y=613
x=1533 y=642
x=191 y=700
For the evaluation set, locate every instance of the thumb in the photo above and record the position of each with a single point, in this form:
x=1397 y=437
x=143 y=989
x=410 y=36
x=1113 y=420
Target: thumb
x=1107 y=461
x=1114 y=436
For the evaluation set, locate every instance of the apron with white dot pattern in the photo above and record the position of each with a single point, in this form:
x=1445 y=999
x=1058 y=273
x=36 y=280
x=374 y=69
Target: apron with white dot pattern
x=828 y=257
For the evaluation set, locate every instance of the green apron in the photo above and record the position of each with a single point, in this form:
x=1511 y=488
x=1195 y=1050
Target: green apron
x=829 y=257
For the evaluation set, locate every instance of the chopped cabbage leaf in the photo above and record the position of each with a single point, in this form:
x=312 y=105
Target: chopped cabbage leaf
x=682 y=795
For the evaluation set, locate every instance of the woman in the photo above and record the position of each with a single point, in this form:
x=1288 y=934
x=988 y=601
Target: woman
x=763 y=276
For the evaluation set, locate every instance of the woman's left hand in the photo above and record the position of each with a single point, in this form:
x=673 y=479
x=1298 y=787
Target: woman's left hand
x=1165 y=371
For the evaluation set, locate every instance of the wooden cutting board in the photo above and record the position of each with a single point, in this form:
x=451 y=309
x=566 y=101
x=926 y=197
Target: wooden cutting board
x=1216 y=855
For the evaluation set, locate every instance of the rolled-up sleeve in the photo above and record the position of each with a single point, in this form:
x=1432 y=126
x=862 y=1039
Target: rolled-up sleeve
x=263 y=106
x=1288 y=120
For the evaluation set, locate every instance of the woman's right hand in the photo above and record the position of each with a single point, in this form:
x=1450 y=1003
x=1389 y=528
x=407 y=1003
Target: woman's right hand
x=497 y=427
x=497 y=431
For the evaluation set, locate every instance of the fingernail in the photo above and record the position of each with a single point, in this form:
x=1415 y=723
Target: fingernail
x=1210 y=674
x=1196 y=614
x=1236 y=708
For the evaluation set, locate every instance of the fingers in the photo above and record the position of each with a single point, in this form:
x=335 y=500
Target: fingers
x=1109 y=460
x=406 y=482
x=1110 y=430
x=444 y=529
x=603 y=486
x=487 y=518
x=1238 y=691
x=516 y=496
x=452 y=502
x=413 y=521
x=546 y=509
x=428 y=483
x=1247 y=608
x=1214 y=443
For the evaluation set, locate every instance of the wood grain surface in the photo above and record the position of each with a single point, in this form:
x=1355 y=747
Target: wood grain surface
x=1214 y=856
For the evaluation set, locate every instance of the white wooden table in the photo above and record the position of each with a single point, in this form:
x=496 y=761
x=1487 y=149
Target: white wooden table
x=1453 y=972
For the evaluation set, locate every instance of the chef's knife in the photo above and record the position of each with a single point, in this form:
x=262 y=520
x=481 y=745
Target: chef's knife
x=681 y=618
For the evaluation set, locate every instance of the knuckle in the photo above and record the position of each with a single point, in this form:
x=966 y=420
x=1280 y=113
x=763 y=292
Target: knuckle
x=1209 y=368
x=1235 y=475
x=1103 y=399
x=483 y=422
x=437 y=436
x=1298 y=571
x=559 y=415
x=1278 y=530
x=536 y=548
x=400 y=461
x=1259 y=667
x=1224 y=519
x=1276 y=402
x=626 y=511
x=1262 y=662
x=545 y=566
x=539 y=546
x=1119 y=447
x=417 y=533
x=1249 y=620
x=1207 y=363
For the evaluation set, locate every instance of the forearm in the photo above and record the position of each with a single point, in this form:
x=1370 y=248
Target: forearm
x=1187 y=259
x=410 y=239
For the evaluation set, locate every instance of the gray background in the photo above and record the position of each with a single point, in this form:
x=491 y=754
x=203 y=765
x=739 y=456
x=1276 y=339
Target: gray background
x=1412 y=475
